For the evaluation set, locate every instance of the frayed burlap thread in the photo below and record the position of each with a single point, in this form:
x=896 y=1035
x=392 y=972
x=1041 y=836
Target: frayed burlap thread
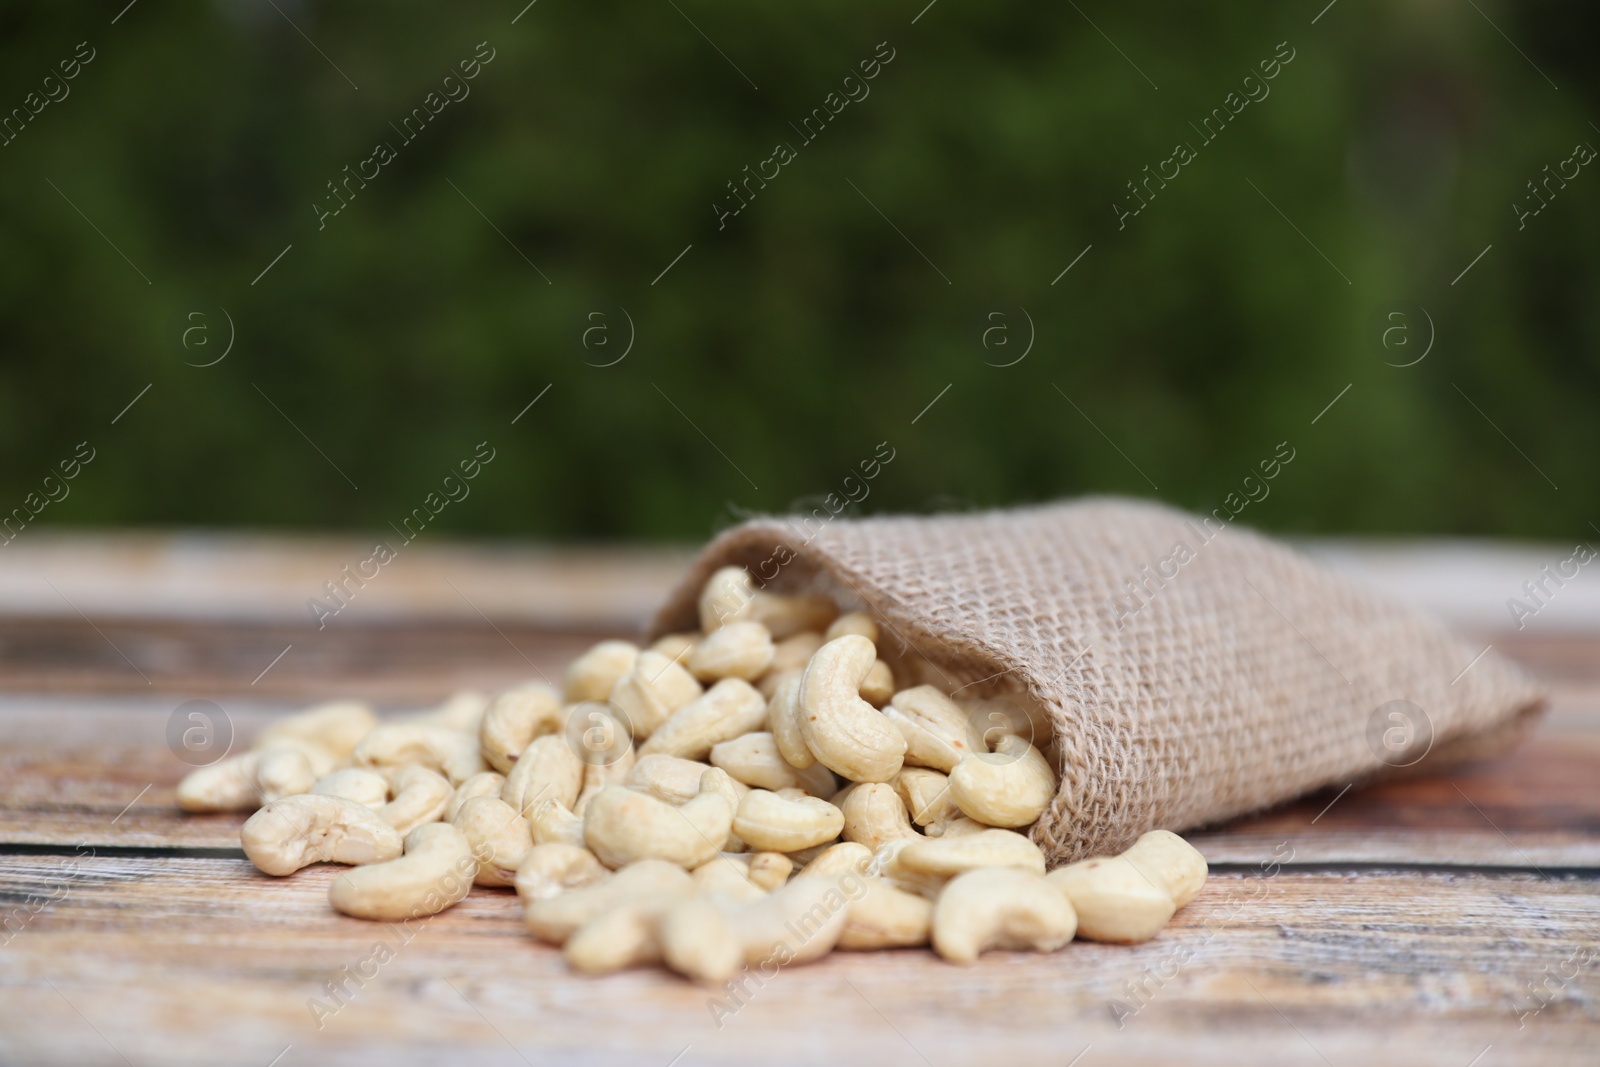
x=1193 y=671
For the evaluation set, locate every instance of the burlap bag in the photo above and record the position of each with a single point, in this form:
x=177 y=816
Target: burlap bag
x=1193 y=671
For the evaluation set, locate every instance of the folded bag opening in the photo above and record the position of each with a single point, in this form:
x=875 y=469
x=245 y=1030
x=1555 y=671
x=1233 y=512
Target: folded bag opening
x=1192 y=670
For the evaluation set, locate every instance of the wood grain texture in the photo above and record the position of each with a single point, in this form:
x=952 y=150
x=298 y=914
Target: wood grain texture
x=204 y=961
x=1404 y=926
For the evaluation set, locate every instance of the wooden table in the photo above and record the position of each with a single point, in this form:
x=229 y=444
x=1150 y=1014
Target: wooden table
x=1450 y=920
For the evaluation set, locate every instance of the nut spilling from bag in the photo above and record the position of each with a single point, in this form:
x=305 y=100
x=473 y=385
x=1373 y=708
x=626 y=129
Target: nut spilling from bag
x=754 y=795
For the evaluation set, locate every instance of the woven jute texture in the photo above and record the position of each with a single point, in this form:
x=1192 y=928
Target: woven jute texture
x=1192 y=670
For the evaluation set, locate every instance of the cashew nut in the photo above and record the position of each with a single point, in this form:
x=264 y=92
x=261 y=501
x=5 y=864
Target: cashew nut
x=554 y=919
x=887 y=917
x=675 y=646
x=551 y=869
x=499 y=837
x=552 y=822
x=365 y=787
x=513 y=719
x=846 y=733
x=710 y=937
x=652 y=690
x=937 y=732
x=738 y=650
x=783 y=719
x=873 y=814
x=794 y=652
x=435 y=873
x=1008 y=787
x=291 y=833
x=462 y=712
x=335 y=727
x=1171 y=862
x=482 y=784
x=754 y=760
x=591 y=675
x=622 y=826
x=772 y=823
x=1000 y=907
x=623 y=936
x=289 y=768
x=838 y=859
x=729 y=597
x=668 y=778
x=453 y=753
x=926 y=795
x=725 y=875
x=421 y=795
x=1114 y=899
x=854 y=622
x=947 y=856
x=227 y=785
x=877 y=687
x=728 y=709
x=548 y=769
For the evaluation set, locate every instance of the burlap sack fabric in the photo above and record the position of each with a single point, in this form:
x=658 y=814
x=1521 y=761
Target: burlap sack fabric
x=1193 y=671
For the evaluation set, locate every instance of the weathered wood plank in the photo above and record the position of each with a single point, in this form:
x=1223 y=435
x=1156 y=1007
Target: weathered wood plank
x=185 y=960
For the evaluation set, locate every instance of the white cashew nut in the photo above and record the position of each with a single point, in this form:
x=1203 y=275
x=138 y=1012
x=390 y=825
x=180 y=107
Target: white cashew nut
x=846 y=733
x=499 y=837
x=365 y=787
x=773 y=823
x=1000 y=907
x=623 y=826
x=1008 y=787
x=738 y=650
x=291 y=833
x=554 y=919
x=551 y=869
x=591 y=675
x=651 y=691
x=727 y=710
x=453 y=753
x=875 y=814
x=435 y=873
x=513 y=719
x=421 y=796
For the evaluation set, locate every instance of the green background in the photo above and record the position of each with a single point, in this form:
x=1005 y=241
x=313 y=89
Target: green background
x=809 y=330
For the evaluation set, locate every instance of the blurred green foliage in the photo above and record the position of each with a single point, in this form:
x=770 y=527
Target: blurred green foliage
x=779 y=350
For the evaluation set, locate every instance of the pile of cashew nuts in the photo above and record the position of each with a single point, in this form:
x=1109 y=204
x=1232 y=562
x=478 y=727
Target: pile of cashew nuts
x=753 y=795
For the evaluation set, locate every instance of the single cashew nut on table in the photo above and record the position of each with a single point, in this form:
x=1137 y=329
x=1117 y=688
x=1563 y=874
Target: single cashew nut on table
x=512 y=721
x=1000 y=907
x=435 y=873
x=1169 y=861
x=772 y=823
x=1114 y=900
x=622 y=826
x=846 y=734
x=1010 y=786
x=291 y=833
x=551 y=869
